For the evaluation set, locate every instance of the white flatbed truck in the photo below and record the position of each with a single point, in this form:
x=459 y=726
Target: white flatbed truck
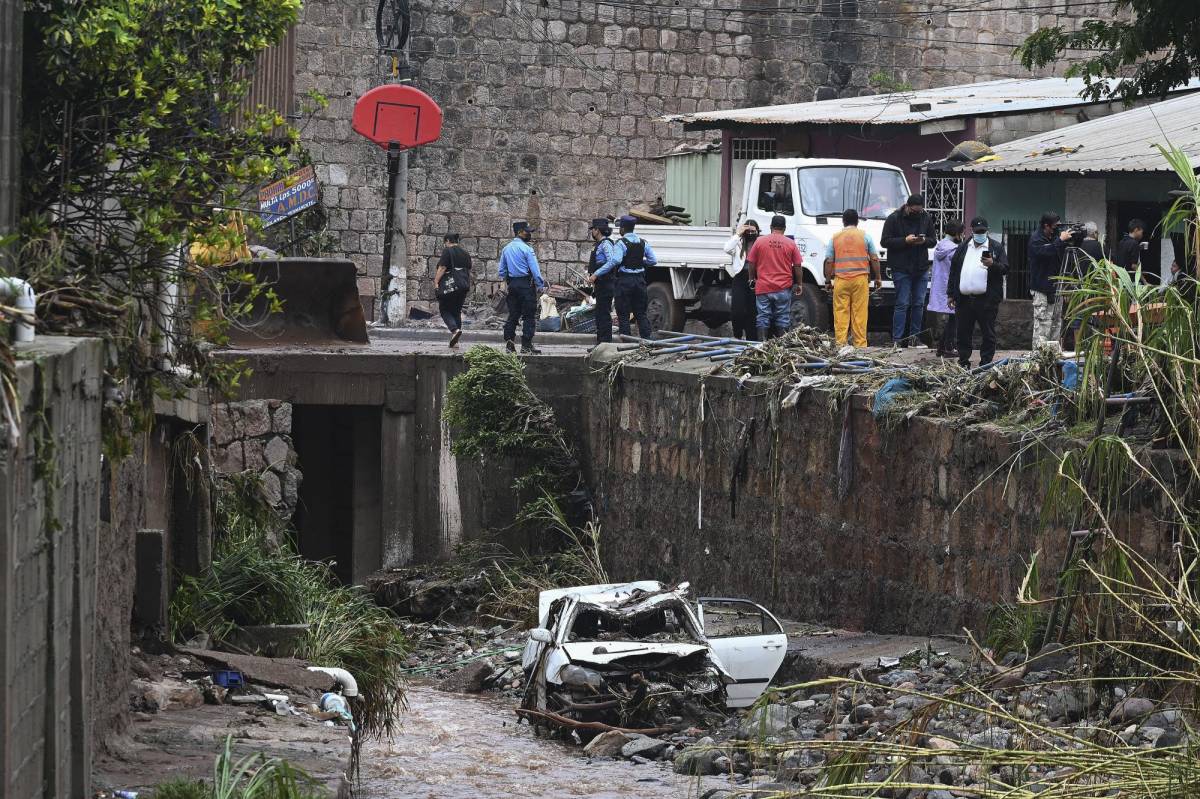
x=691 y=279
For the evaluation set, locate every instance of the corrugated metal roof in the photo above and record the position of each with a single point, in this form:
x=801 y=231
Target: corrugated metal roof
x=991 y=98
x=1123 y=142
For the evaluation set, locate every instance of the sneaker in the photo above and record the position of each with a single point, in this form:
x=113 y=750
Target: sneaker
x=455 y=336
x=918 y=346
x=510 y=345
x=529 y=349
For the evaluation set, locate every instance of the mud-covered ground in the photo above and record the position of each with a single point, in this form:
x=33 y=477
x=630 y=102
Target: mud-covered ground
x=455 y=746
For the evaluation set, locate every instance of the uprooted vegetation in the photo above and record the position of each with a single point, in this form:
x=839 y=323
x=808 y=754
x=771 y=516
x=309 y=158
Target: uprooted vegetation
x=493 y=414
x=257 y=578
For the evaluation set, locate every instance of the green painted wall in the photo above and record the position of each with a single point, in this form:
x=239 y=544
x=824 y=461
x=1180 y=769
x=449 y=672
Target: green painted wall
x=694 y=182
x=1015 y=199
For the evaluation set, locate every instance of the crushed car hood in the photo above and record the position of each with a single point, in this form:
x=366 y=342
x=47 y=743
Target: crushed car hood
x=585 y=651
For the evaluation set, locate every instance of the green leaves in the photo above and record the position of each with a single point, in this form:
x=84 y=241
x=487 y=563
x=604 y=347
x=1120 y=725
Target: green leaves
x=127 y=124
x=1154 y=45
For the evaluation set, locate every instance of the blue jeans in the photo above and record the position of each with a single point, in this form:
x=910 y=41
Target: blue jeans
x=911 y=289
x=774 y=309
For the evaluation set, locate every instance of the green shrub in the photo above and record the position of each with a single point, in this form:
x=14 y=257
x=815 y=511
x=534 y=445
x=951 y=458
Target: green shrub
x=257 y=578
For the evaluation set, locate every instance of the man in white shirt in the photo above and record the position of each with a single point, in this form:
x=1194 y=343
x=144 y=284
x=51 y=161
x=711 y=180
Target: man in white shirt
x=976 y=289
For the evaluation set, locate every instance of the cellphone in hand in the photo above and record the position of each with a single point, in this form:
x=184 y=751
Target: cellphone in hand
x=986 y=254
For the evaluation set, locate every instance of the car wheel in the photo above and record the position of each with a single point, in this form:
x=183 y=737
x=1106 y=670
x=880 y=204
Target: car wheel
x=665 y=312
x=811 y=308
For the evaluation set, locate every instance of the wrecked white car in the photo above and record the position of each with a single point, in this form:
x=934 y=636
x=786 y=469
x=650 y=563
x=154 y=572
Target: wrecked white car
x=640 y=655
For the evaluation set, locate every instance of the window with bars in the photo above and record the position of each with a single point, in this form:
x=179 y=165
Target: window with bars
x=751 y=149
x=943 y=199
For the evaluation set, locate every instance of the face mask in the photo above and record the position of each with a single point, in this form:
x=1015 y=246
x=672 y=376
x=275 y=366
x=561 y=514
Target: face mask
x=980 y=238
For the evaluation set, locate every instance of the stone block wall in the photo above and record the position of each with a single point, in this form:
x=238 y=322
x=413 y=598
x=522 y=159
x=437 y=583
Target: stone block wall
x=255 y=436
x=553 y=112
x=743 y=498
x=50 y=565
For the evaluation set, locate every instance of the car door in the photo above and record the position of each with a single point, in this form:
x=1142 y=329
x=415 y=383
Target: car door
x=749 y=642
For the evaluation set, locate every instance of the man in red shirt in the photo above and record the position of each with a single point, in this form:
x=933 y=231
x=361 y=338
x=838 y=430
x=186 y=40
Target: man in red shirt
x=774 y=265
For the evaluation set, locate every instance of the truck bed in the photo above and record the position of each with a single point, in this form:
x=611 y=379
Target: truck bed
x=696 y=247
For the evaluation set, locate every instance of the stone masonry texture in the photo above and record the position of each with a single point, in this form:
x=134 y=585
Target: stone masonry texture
x=50 y=491
x=255 y=436
x=553 y=110
x=743 y=498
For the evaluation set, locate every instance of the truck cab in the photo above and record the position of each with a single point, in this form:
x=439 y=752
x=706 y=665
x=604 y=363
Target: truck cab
x=692 y=279
x=811 y=194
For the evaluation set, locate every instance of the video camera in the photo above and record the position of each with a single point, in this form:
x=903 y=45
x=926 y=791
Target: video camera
x=1076 y=230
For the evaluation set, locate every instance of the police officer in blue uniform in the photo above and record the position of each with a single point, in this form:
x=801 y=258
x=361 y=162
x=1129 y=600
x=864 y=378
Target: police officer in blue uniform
x=629 y=258
x=519 y=268
x=605 y=286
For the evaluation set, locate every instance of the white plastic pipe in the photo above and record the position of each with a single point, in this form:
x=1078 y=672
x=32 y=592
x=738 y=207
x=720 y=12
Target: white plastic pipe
x=343 y=677
x=20 y=293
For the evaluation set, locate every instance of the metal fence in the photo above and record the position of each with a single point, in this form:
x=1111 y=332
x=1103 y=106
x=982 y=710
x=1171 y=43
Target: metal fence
x=273 y=80
x=1016 y=244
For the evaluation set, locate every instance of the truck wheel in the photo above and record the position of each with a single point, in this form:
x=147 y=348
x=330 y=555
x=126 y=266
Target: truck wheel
x=665 y=312
x=812 y=309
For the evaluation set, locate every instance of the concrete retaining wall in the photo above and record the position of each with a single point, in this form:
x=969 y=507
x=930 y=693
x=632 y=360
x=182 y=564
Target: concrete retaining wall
x=381 y=488
x=49 y=511
x=743 y=499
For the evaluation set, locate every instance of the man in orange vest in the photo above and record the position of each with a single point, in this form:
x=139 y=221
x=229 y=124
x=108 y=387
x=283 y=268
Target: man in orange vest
x=850 y=256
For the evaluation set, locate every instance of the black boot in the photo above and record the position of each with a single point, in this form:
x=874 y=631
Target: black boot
x=527 y=348
x=510 y=345
x=762 y=333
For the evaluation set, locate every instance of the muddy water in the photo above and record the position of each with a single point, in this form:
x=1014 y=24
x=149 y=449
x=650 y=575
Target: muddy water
x=465 y=747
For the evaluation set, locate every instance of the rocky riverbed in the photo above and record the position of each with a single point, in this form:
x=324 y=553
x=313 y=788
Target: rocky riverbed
x=783 y=745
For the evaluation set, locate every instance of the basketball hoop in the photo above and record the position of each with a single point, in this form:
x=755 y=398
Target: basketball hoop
x=397 y=117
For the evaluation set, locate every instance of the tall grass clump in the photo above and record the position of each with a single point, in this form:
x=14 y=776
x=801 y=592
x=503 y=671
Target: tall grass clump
x=254 y=776
x=257 y=578
x=1133 y=623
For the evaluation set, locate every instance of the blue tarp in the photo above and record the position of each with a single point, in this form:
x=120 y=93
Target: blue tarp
x=884 y=396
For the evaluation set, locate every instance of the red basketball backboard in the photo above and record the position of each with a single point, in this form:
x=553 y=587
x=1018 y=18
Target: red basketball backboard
x=397 y=113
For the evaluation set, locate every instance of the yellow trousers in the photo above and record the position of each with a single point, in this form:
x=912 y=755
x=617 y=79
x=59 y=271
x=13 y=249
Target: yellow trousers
x=850 y=298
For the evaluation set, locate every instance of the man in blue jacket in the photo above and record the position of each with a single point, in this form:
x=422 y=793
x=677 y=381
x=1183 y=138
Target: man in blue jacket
x=519 y=268
x=1047 y=250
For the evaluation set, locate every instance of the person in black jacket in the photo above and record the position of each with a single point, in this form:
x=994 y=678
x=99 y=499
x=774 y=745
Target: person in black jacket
x=908 y=236
x=1047 y=256
x=976 y=288
x=451 y=282
x=1128 y=252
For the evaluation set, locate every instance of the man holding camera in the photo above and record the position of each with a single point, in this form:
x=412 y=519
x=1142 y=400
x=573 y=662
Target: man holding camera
x=975 y=289
x=1047 y=253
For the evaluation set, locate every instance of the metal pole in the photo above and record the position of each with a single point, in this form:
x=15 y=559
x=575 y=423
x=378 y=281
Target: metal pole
x=389 y=227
